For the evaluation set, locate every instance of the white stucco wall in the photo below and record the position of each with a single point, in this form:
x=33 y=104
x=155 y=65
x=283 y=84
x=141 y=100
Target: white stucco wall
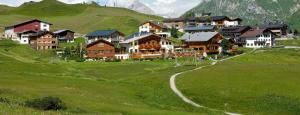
x=44 y=26
x=250 y=42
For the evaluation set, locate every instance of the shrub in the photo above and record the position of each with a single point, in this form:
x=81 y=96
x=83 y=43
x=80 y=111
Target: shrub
x=80 y=60
x=46 y=103
x=4 y=100
x=240 y=52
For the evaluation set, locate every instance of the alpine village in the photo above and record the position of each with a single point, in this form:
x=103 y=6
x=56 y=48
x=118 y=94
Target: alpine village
x=210 y=57
x=200 y=36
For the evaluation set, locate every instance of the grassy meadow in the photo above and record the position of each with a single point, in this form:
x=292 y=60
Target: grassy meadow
x=129 y=87
x=263 y=82
x=294 y=42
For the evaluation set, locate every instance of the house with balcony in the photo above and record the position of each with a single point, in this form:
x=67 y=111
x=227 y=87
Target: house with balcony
x=202 y=42
x=234 y=33
x=155 y=28
x=43 y=40
x=113 y=36
x=14 y=32
x=100 y=49
x=148 y=46
x=258 y=38
x=224 y=21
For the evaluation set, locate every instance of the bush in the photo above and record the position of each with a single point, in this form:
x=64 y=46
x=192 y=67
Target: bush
x=46 y=103
x=80 y=60
x=240 y=52
x=4 y=100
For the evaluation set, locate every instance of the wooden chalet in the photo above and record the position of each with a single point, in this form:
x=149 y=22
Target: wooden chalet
x=148 y=46
x=43 y=40
x=202 y=42
x=64 y=35
x=100 y=49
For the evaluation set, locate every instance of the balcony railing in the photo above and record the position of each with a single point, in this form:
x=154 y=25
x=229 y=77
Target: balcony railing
x=147 y=47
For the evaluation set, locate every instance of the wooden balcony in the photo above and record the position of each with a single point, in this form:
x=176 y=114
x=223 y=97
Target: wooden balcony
x=146 y=56
x=149 y=47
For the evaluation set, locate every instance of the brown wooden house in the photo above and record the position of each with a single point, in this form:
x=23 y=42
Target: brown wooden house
x=43 y=40
x=147 y=46
x=203 y=42
x=100 y=49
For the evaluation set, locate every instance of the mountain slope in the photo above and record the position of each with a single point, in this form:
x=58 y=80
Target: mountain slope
x=135 y=5
x=81 y=18
x=252 y=11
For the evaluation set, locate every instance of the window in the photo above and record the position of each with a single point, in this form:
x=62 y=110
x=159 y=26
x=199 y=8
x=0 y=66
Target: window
x=45 y=25
x=251 y=44
x=24 y=40
x=100 y=45
x=163 y=43
x=53 y=42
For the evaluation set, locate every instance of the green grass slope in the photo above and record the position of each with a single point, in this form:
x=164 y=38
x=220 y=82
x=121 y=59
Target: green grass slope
x=81 y=18
x=265 y=82
x=138 y=88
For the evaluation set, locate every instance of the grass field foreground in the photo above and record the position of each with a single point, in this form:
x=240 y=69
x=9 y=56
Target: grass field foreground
x=264 y=82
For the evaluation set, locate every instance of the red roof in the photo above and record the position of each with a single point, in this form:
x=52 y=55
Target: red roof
x=27 y=22
x=254 y=32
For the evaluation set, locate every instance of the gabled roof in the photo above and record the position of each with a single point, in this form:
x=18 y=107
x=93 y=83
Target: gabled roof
x=218 y=18
x=274 y=26
x=41 y=33
x=174 y=20
x=199 y=36
x=63 y=30
x=138 y=38
x=98 y=41
x=254 y=32
x=236 y=29
x=154 y=23
x=27 y=22
x=200 y=28
x=103 y=33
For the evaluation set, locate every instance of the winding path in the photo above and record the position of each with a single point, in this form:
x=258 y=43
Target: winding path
x=185 y=99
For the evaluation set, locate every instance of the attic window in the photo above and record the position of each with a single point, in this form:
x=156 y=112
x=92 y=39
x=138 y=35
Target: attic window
x=101 y=45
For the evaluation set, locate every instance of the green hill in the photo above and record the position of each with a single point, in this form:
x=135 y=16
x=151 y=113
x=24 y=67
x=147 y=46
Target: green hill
x=252 y=11
x=82 y=18
x=91 y=88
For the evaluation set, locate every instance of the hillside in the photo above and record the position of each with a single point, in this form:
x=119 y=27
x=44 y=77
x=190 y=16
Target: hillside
x=131 y=88
x=82 y=18
x=252 y=11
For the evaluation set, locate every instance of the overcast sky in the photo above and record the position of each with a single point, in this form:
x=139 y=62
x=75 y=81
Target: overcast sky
x=172 y=8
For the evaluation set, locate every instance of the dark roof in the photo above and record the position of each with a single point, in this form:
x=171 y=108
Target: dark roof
x=203 y=28
x=218 y=18
x=174 y=20
x=27 y=22
x=98 y=41
x=273 y=26
x=40 y=33
x=254 y=32
x=200 y=19
x=103 y=33
x=63 y=30
x=237 y=29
